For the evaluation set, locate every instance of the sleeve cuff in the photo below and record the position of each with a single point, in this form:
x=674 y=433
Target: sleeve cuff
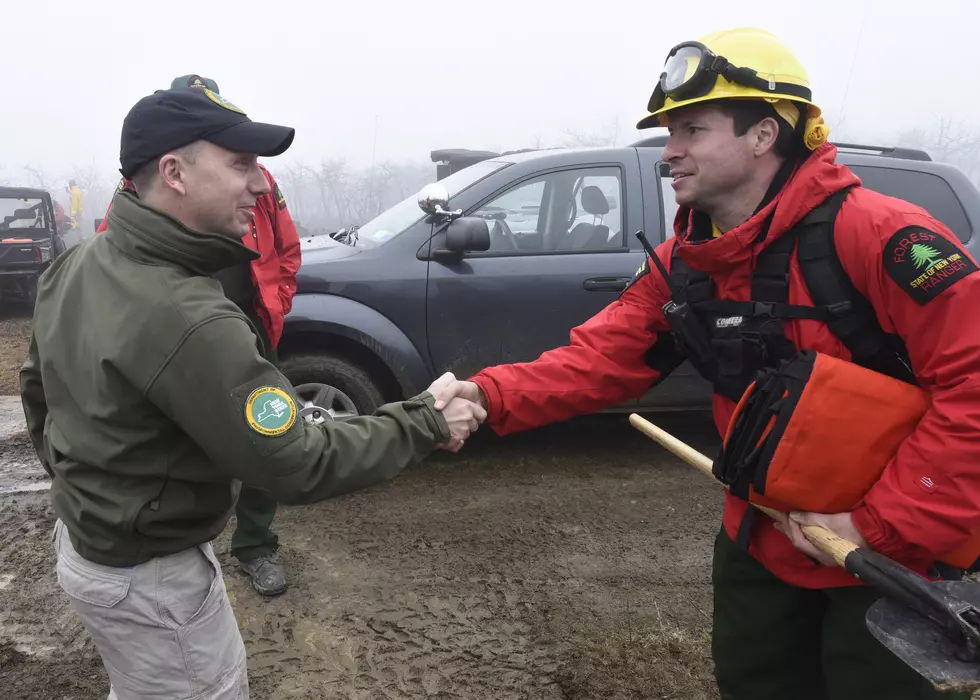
x=885 y=540
x=491 y=394
x=438 y=421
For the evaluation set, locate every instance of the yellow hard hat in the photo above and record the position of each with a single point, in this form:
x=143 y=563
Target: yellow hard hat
x=736 y=64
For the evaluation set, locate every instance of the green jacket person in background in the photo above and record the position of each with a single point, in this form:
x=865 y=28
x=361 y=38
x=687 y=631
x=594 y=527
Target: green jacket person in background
x=147 y=400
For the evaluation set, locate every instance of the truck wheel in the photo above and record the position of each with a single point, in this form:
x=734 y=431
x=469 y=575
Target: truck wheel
x=330 y=372
x=58 y=246
x=30 y=292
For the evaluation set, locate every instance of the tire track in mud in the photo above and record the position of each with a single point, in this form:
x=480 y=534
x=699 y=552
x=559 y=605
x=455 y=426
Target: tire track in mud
x=401 y=635
x=486 y=578
x=562 y=564
x=20 y=470
x=44 y=650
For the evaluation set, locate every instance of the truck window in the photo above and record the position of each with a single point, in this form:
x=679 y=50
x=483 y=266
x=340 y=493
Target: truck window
x=926 y=190
x=576 y=210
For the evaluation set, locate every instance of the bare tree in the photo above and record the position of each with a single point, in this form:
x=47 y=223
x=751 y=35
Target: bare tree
x=335 y=182
x=37 y=178
x=954 y=142
x=96 y=187
x=607 y=136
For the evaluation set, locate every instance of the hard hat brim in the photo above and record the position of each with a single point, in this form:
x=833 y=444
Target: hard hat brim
x=658 y=118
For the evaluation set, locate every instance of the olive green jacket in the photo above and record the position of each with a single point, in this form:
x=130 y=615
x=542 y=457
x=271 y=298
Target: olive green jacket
x=146 y=397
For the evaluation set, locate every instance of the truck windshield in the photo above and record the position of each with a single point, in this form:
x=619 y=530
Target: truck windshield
x=400 y=217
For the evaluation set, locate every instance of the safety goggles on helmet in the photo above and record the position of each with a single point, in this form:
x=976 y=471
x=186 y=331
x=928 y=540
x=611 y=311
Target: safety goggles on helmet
x=692 y=69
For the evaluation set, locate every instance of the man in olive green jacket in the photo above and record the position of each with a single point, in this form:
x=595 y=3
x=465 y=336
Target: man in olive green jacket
x=148 y=400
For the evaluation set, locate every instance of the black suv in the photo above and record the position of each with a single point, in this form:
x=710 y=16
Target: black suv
x=421 y=290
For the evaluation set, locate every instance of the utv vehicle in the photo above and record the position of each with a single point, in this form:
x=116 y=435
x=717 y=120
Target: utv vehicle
x=29 y=240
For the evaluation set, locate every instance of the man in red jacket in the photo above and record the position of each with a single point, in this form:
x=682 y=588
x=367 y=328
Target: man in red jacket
x=749 y=160
x=264 y=291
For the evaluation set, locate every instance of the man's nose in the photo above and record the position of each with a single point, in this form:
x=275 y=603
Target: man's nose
x=672 y=150
x=257 y=184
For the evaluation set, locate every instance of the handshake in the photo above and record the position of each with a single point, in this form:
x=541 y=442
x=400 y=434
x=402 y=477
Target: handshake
x=462 y=404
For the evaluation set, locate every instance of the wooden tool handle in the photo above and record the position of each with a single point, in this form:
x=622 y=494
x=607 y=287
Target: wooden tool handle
x=821 y=538
x=681 y=449
x=829 y=543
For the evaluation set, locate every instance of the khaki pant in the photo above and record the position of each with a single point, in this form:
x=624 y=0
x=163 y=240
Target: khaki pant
x=165 y=629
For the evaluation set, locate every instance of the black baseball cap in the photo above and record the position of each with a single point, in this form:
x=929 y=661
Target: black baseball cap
x=170 y=119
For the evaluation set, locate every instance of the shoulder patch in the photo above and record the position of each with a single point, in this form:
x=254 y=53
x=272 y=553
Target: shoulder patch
x=270 y=411
x=642 y=270
x=280 y=200
x=924 y=264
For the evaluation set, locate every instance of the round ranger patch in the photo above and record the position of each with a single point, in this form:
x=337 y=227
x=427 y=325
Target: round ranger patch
x=219 y=100
x=270 y=411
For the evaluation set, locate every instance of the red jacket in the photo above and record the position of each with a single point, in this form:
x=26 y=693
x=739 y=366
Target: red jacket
x=273 y=234
x=928 y=500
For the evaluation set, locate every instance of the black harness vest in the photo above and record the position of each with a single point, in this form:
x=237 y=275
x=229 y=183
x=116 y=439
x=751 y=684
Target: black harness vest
x=740 y=338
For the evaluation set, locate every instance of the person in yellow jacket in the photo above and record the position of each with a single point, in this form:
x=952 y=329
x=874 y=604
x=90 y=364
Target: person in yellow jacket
x=77 y=203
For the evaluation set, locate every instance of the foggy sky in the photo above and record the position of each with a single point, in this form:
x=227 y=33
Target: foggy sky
x=473 y=74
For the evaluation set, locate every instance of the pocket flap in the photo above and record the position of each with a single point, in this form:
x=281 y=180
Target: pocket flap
x=91 y=585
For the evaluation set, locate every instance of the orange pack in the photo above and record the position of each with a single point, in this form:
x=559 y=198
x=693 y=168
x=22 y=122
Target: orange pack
x=816 y=432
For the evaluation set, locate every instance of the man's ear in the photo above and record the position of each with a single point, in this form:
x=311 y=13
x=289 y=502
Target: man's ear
x=764 y=135
x=171 y=172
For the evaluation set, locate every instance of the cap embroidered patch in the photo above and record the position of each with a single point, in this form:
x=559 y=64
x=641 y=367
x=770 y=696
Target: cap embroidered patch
x=218 y=99
x=270 y=411
x=924 y=264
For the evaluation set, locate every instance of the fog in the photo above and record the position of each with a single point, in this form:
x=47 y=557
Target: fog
x=380 y=81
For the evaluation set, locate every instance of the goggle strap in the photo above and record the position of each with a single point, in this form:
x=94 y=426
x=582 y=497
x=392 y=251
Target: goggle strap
x=749 y=77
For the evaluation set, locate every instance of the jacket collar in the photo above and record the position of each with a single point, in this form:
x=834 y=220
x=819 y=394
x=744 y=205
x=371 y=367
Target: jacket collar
x=818 y=177
x=151 y=236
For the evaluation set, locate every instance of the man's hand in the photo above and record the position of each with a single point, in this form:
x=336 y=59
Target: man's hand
x=464 y=418
x=838 y=523
x=447 y=387
x=462 y=405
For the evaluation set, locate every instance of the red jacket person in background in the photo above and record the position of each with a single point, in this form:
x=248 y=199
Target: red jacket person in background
x=748 y=154
x=264 y=291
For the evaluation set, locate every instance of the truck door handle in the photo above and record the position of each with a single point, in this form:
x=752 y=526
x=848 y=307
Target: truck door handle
x=606 y=284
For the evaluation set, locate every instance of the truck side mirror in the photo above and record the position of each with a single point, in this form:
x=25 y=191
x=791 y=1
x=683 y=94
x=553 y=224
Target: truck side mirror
x=468 y=234
x=433 y=199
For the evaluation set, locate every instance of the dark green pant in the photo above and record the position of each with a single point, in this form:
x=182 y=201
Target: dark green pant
x=773 y=641
x=253 y=536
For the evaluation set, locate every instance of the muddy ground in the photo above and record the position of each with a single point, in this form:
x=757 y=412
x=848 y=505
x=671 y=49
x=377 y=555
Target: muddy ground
x=568 y=562
x=15 y=336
